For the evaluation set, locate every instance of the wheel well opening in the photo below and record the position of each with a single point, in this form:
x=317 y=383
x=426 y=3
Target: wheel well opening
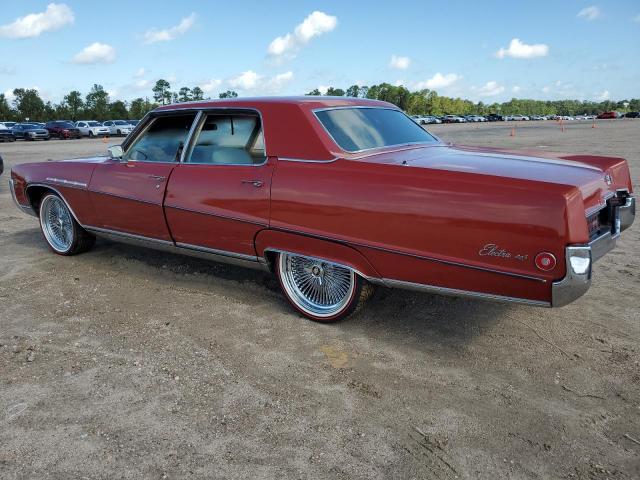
x=35 y=194
x=271 y=258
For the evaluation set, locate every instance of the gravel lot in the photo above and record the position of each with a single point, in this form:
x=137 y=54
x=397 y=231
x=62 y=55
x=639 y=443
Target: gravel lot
x=128 y=363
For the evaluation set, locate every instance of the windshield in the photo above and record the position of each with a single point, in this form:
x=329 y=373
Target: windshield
x=121 y=122
x=66 y=125
x=94 y=124
x=355 y=129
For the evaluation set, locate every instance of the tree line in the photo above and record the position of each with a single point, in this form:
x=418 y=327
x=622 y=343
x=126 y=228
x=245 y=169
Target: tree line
x=96 y=105
x=428 y=102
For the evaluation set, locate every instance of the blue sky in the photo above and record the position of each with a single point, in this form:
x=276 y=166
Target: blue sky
x=488 y=50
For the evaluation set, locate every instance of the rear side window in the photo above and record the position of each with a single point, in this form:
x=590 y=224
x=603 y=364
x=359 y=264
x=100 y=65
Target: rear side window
x=163 y=141
x=355 y=129
x=225 y=139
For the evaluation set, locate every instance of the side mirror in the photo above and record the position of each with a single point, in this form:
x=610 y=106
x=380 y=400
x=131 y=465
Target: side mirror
x=115 y=151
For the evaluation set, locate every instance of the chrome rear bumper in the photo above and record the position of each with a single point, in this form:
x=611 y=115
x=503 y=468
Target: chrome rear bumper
x=579 y=258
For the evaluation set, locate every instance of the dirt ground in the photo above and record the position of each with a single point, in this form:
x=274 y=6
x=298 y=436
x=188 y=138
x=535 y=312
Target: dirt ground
x=129 y=363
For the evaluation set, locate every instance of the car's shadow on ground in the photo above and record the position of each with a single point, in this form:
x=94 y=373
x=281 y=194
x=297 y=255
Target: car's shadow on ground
x=420 y=319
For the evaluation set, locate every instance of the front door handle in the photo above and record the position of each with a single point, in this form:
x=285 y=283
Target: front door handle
x=255 y=183
x=157 y=178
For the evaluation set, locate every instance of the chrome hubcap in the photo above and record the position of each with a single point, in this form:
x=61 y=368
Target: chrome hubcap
x=317 y=287
x=57 y=223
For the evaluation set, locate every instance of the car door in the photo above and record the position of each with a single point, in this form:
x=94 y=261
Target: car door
x=219 y=197
x=127 y=193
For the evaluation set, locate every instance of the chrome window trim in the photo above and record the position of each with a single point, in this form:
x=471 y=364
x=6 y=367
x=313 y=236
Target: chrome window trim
x=301 y=160
x=202 y=119
x=343 y=107
x=186 y=146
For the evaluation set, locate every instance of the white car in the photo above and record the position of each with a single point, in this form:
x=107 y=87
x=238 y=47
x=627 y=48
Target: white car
x=118 y=127
x=91 y=128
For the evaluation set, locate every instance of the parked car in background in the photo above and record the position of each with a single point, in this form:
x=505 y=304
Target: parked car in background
x=8 y=125
x=133 y=122
x=118 y=127
x=632 y=115
x=63 y=129
x=91 y=128
x=349 y=202
x=453 y=119
x=6 y=135
x=607 y=115
x=494 y=117
x=475 y=118
x=30 y=131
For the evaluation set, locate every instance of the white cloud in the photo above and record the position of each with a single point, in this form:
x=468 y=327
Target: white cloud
x=589 y=13
x=246 y=80
x=56 y=16
x=518 y=49
x=546 y=89
x=516 y=89
x=323 y=89
x=166 y=35
x=253 y=82
x=604 y=95
x=491 y=89
x=399 y=83
x=399 y=63
x=314 y=25
x=139 y=73
x=143 y=84
x=95 y=53
x=211 y=86
x=439 y=81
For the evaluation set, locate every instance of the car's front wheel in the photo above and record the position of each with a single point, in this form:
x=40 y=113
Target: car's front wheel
x=321 y=290
x=64 y=235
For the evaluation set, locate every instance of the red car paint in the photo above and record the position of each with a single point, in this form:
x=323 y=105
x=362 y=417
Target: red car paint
x=462 y=218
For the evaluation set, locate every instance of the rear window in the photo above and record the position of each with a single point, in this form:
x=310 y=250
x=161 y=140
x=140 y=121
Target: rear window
x=355 y=129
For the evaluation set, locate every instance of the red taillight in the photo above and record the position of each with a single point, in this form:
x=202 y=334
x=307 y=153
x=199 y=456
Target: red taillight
x=545 y=261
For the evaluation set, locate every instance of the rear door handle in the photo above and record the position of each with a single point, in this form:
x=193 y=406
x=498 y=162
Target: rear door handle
x=158 y=178
x=255 y=183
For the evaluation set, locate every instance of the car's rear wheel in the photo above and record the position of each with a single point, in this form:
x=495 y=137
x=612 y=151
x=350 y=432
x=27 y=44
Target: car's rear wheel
x=61 y=231
x=321 y=290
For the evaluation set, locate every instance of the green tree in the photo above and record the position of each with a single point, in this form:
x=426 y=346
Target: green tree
x=97 y=103
x=118 y=110
x=353 y=91
x=28 y=104
x=162 y=92
x=184 y=94
x=197 y=93
x=6 y=113
x=314 y=92
x=140 y=107
x=335 y=92
x=74 y=103
x=228 y=94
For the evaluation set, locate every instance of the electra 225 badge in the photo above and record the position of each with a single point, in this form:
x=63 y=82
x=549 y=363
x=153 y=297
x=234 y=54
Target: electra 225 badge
x=493 y=250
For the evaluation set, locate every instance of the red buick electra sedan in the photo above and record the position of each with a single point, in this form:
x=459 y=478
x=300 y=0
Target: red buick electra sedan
x=335 y=196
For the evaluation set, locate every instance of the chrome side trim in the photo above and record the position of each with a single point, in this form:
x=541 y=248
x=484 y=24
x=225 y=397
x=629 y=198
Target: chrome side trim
x=66 y=183
x=226 y=217
x=46 y=185
x=458 y=293
x=28 y=209
x=220 y=256
x=412 y=255
x=124 y=197
x=301 y=160
x=122 y=236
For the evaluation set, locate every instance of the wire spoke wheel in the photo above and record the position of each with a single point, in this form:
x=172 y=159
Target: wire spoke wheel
x=319 y=288
x=57 y=223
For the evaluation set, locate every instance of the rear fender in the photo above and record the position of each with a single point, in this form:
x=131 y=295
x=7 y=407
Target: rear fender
x=269 y=242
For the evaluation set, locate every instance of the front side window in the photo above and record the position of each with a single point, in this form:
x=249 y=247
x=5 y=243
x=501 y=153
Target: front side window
x=355 y=129
x=228 y=139
x=162 y=141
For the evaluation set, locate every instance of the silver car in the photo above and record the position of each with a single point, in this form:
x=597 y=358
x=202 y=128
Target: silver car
x=118 y=127
x=91 y=128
